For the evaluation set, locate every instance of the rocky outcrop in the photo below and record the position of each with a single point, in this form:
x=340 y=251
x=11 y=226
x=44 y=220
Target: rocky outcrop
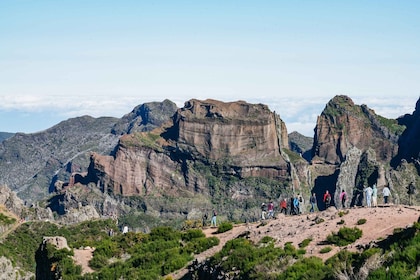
x=48 y=267
x=409 y=146
x=31 y=163
x=343 y=125
x=241 y=131
x=145 y=117
x=10 y=200
x=8 y=271
x=347 y=177
x=246 y=139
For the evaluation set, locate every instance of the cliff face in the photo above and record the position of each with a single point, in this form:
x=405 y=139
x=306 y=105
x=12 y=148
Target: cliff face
x=244 y=139
x=344 y=125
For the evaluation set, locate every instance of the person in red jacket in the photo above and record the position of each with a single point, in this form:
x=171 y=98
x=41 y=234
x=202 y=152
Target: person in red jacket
x=327 y=199
x=283 y=206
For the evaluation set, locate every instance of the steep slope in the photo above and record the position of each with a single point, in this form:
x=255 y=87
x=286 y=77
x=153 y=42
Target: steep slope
x=353 y=148
x=301 y=144
x=409 y=146
x=213 y=153
x=31 y=163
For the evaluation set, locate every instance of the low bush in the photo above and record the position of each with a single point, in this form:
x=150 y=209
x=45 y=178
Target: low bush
x=325 y=250
x=224 y=226
x=361 y=221
x=345 y=236
x=305 y=242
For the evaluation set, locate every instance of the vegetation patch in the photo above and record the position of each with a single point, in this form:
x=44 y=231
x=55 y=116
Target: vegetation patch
x=224 y=226
x=361 y=221
x=325 y=250
x=6 y=220
x=305 y=242
x=345 y=236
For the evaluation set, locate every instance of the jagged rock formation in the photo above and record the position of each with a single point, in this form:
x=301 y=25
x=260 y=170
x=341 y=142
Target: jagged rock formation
x=358 y=145
x=343 y=125
x=8 y=271
x=145 y=117
x=301 y=144
x=235 y=139
x=46 y=266
x=10 y=200
x=245 y=135
x=31 y=163
x=409 y=146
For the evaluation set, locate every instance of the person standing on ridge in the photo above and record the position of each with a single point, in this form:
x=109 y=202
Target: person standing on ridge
x=301 y=203
x=343 y=198
x=283 y=206
x=386 y=192
x=312 y=200
x=368 y=192
x=270 y=209
x=263 y=210
x=214 y=219
x=327 y=199
x=374 y=196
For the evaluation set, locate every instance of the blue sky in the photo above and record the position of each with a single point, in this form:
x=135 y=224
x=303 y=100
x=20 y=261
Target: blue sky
x=62 y=59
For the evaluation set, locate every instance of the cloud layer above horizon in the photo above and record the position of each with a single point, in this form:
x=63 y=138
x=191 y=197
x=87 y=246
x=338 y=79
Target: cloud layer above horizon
x=36 y=113
x=62 y=59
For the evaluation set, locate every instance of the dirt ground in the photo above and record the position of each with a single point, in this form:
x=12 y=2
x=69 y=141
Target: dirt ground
x=380 y=222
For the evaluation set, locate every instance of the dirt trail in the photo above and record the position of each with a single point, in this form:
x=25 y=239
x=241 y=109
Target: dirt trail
x=82 y=257
x=380 y=223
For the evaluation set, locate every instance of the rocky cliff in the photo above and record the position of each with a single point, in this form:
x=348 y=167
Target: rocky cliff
x=31 y=164
x=208 y=144
x=343 y=125
x=353 y=148
x=246 y=138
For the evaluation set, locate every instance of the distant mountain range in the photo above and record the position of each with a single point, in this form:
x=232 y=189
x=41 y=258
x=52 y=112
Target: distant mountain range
x=160 y=163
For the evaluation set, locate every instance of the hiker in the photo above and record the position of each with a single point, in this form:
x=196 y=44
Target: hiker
x=270 y=209
x=125 y=230
x=205 y=219
x=327 y=199
x=292 y=210
x=410 y=191
x=283 y=206
x=374 y=196
x=301 y=203
x=312 y=200
x=368 y=192
x=213 y=219
x=343 y=198
x=386 y=192
x=296 y=205
x=263 y=210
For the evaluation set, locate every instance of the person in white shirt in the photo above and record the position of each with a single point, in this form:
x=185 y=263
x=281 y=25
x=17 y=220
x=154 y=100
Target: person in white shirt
x=386 y=192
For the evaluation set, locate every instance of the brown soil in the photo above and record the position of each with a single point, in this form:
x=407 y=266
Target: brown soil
x=380 y=222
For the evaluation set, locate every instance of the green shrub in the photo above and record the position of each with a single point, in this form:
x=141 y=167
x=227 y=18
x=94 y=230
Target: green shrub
x=341 y=222
x=192 y=234
x=325 y=250
x=361 y=221
x=98 y=261
x=267 y=239
x=6 y=220
x=305 y=242
x=224 y=226
x=344 y=236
